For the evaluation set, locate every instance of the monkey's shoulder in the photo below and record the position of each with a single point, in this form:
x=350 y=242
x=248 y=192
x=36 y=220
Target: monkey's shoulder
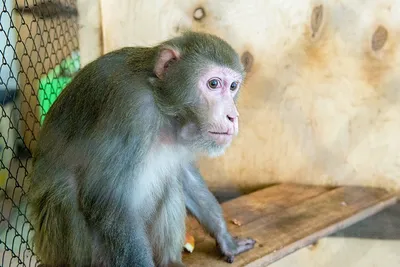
x=126 y=60
x=84 y=111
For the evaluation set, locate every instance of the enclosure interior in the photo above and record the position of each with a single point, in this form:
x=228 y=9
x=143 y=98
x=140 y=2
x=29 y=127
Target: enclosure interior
x=320 y=105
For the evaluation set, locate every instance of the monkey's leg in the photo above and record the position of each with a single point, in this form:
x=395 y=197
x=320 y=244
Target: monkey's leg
x=117 y=226
x=61 y=236
x=123 y=242
x=204 y=206
x=168 y=227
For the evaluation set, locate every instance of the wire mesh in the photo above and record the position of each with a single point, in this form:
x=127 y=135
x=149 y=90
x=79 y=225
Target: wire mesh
x=39 y=55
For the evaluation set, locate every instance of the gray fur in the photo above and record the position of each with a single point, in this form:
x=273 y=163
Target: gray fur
x=105 y=191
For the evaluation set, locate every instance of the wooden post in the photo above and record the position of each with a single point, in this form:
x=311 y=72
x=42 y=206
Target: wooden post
x=90 y=33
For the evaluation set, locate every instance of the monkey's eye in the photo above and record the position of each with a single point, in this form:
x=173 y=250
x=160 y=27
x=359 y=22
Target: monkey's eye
x=234 y=85
x=214 y=83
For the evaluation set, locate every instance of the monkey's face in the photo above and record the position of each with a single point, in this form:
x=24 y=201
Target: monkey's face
x=216 y=111
x=199 y=89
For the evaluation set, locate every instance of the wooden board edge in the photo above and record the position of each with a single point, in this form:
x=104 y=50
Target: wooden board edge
x=359 y=216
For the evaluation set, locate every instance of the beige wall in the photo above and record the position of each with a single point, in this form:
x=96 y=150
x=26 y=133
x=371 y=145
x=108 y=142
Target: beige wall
x=321 y=104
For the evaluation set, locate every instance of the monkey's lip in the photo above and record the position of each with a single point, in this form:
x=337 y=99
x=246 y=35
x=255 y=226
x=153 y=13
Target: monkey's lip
x=220 y=133
x=221 y=138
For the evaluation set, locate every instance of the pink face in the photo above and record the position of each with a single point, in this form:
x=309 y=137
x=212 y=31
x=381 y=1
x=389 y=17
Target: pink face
x=218 y=87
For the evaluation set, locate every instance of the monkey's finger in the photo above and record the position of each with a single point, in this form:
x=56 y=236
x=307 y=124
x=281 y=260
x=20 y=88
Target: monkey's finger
x=230 y=259
x=244 y=248
x=247 y=241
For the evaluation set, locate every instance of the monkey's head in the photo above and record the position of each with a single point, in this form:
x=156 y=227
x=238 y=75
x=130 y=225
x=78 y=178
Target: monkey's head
x=199 y=78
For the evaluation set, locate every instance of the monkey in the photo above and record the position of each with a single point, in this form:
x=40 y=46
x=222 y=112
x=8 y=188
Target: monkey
x=114 y=172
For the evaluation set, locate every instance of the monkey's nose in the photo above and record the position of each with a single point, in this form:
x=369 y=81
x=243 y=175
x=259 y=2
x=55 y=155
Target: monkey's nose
x=231 y=118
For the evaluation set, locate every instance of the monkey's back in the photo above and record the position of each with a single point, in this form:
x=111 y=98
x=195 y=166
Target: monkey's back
x=91 y=134
x=101 y=104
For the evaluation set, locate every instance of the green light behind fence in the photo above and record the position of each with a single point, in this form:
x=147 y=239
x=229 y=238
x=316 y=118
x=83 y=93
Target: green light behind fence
x=54 y=82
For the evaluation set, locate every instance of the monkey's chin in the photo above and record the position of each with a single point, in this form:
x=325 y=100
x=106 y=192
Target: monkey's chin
x=216 y=152
x=214 y=149
x=208 y=148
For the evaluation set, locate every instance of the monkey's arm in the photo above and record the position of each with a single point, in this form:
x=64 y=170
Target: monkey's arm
x=202 y=204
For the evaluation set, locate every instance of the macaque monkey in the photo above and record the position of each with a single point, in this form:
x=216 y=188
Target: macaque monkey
x=114 y=170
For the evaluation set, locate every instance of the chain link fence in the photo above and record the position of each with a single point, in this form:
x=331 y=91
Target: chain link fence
x=39 y=55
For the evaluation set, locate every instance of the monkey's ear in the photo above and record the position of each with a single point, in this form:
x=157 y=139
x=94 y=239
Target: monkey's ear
x=165 y=57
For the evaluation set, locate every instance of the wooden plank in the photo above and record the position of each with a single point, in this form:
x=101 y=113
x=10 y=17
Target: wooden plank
x=269 y=200
x=260 y=203
x=288 y=222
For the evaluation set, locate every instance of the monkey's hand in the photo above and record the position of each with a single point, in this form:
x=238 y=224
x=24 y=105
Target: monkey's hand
x=230 y=247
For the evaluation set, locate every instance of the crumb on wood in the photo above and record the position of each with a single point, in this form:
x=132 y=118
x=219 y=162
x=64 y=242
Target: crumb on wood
x=236 y=222
x=313 y=246
x=189 y=243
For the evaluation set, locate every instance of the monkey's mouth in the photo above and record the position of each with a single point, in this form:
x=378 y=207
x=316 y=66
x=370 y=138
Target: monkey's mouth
x=221 y=138
x=220 y=133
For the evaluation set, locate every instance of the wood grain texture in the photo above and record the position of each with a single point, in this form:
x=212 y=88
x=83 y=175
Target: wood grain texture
x=321 y=104
x=90 y=35
x=285 y=218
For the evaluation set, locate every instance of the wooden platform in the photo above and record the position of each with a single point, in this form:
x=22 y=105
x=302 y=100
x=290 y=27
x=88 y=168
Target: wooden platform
x=284 y=218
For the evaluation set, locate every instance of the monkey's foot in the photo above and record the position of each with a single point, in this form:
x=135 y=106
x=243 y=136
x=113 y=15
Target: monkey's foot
x=232 y=247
